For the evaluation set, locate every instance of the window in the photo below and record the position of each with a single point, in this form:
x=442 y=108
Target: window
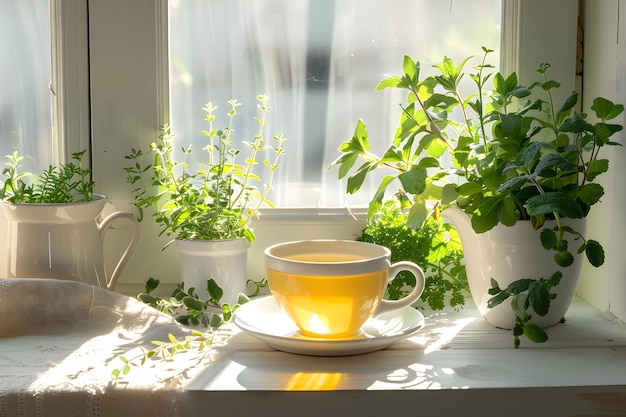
x=319 y=61
x=25 y=104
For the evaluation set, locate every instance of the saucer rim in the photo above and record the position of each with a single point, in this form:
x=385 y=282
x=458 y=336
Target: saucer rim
x=329 y=347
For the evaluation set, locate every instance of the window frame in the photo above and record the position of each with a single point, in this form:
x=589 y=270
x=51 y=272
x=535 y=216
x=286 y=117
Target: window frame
x=110 y=108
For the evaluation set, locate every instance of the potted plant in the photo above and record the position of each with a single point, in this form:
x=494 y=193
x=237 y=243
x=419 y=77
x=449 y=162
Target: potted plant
x=55 y=228
x=435 y=247
x=208 y=210
x=511 y=164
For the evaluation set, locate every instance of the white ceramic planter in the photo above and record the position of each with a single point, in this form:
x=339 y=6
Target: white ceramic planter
x=223 y=260
x=511 y=253
x=63 y=241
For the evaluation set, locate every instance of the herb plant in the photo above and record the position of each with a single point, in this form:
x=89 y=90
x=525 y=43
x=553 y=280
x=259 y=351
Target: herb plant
x=503 y=153
x=65 y=183
x=219 y=199
x=435 y=247
x=186 y=308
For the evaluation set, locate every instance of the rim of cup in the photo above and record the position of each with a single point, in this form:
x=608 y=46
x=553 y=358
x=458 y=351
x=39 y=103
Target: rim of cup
x=373 y=257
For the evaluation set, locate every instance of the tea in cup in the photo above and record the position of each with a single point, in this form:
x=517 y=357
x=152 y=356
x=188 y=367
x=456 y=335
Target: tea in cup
x=330 y=288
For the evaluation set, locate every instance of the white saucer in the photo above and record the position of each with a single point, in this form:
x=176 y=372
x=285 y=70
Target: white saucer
x=263 y=319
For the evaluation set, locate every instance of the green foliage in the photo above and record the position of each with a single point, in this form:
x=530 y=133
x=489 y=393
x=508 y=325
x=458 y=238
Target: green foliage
x=503 y=153
x=186 y=308
x=435 y=247
x=65 y=183
x=526 y=294
x=165 y=351
x=219 y=199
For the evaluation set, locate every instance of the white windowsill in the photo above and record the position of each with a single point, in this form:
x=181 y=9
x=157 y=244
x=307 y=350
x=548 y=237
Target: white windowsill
x=457 y=365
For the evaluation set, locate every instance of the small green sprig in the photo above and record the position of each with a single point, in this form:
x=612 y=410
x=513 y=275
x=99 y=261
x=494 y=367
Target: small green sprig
x=164 y=351
x=186 y=308
x=526 y=294
x=65 y=183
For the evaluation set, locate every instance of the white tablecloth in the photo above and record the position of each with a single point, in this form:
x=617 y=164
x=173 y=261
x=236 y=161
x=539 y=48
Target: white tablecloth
x=60 y=340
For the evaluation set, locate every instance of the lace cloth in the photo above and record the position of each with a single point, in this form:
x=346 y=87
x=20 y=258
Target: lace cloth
x=60 y=340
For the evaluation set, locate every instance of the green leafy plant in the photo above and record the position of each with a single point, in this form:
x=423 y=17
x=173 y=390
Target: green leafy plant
x=217 y=200
x=186 y=308
x=435 y=246
x=503 y=153
x=525 y=294
x=65 y=183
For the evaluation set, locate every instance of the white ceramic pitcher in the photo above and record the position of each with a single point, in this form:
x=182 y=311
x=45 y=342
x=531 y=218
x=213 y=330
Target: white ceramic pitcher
x=63 y=241
x=508 y=254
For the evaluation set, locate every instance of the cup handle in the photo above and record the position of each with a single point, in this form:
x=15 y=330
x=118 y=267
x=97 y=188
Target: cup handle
x=413 y=296
x=103 y=226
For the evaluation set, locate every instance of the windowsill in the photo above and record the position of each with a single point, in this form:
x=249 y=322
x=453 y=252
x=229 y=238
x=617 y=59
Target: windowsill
x=471 y=365
x=456 y=365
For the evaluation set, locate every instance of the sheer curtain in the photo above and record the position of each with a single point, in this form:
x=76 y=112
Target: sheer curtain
x=25 y=105
x=319 y=61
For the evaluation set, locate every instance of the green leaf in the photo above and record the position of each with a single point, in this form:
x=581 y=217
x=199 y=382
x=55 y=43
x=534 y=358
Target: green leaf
x=359 y=142
x=377 y=200
x=151 y=284
x=414 y=180
x=411 y=69
x=606 y=109
x=486 y=215
x=564 y=258
x=590 y=194
x=555 y=279
x=417 y=215
x=146 y=298
x=519 y=304
x=469 y=188
x=355 y=181
x=594 y=252
x=346 y=162
x=392 y=82
x=513 y=183
x=569 y=103
x=498 y=299
x=604 y=131
x=193 y=303
x=597 y=167
x=508 y=214
x=539 y=297
x=215 y=292
x=215 y=320
x=520 y=285
x=535 y=333
x=555 y=201
x=575 y=124
x=548 y=239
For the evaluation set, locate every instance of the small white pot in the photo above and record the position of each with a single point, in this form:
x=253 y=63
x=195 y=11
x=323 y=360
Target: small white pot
x=223 y=260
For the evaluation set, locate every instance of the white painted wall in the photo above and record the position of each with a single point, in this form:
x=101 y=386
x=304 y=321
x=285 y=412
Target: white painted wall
x=604 y=75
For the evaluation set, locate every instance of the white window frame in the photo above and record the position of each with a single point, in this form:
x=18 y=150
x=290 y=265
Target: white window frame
x=127 y=93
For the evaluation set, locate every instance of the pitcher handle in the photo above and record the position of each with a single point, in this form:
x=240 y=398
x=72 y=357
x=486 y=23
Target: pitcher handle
x=103 y=226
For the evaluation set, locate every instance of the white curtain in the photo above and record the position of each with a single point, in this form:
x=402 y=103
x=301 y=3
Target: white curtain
x=25 y=104
x=319 y=61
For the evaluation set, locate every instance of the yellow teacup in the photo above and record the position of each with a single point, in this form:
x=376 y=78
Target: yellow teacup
x=330 y=288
